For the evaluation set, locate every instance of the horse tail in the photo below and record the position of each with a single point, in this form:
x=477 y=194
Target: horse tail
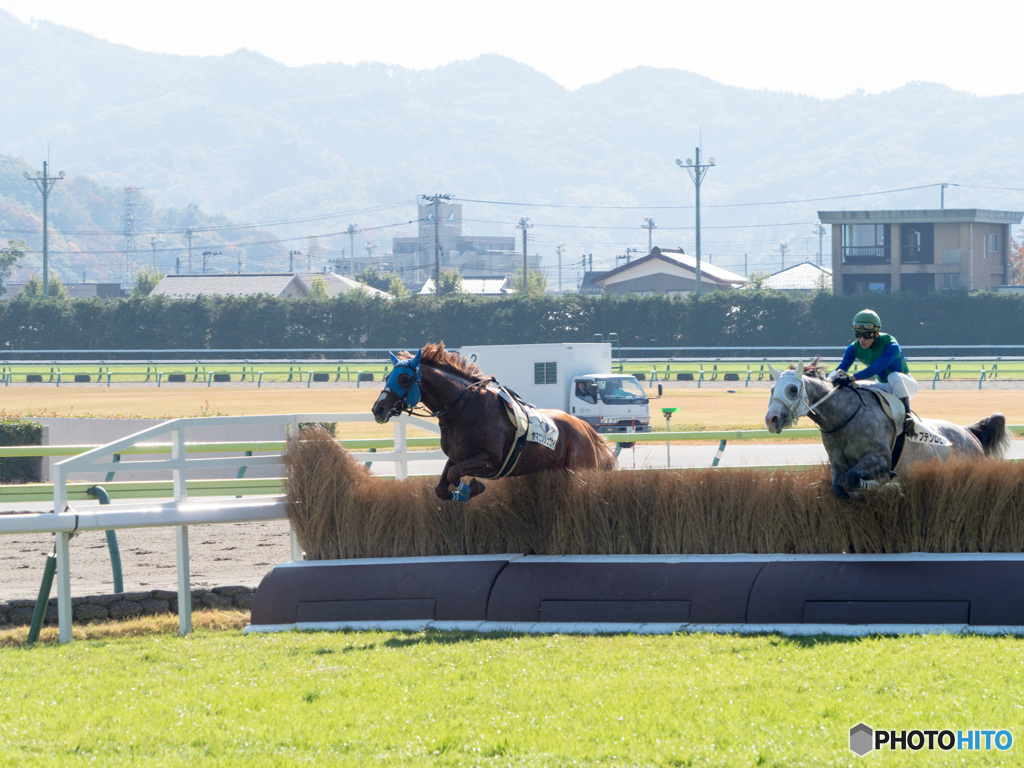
x=606 y=458
x=992 y=434
x=603 y=450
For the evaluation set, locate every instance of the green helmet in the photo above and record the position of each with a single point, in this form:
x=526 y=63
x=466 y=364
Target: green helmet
x=867 y=320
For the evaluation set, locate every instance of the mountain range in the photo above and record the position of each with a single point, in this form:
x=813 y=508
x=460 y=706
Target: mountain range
x=233 y=140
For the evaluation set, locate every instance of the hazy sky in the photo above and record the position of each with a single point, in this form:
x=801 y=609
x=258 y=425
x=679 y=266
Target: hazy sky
x=824 y=48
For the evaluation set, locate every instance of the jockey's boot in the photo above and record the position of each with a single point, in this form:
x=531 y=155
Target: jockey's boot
x=908 y=421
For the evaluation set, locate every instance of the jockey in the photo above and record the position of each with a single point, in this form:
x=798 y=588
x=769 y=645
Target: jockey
x=882 y=357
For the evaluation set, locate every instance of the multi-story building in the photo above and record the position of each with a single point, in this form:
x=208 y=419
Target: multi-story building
x=440 y=239
x=919 y=251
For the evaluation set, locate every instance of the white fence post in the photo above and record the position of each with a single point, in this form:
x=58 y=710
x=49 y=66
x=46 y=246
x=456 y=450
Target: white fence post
x=63 y=587
x=184 y=580
x=178 y=460
x=401 y=451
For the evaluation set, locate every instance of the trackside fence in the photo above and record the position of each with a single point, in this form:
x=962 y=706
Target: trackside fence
x=180 y=502
x=175 y=508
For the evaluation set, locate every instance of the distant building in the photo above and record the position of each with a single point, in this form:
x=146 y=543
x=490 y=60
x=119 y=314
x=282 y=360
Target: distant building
x=477 y=286
x=587 y=284
x=278 y=285
x=800 y=277
x=666 y=270
x=919 y=250
x=414 y=259
x=192 y=286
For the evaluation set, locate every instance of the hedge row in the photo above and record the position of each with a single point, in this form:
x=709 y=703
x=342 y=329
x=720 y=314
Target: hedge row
x=735 y=319
x=20 y=469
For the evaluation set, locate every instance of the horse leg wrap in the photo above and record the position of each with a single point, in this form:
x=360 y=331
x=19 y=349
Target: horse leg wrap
x=461 y=492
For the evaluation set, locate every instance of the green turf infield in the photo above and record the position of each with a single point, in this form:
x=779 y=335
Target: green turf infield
x=401 y=699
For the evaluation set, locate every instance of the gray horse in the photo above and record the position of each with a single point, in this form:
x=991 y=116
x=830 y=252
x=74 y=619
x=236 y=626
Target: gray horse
x=858 y=435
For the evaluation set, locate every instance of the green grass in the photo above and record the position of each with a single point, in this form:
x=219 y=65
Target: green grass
x=396 y=699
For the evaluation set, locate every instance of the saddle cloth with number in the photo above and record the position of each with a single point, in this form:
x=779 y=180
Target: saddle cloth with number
x=531 y=425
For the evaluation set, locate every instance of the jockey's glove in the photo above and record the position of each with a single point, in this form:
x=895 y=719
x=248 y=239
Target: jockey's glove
x=840 y=378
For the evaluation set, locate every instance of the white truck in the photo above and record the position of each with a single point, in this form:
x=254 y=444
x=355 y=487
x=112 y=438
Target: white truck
x=575 y=378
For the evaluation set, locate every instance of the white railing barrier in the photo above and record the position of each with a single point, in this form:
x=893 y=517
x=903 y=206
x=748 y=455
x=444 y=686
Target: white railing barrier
x=178 y=511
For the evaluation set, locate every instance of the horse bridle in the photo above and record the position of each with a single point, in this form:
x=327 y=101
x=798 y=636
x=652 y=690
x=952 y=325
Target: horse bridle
x=402 y=393
x=808 y=410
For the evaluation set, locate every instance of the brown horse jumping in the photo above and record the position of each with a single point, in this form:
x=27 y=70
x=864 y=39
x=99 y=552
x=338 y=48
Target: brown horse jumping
x=477 y=434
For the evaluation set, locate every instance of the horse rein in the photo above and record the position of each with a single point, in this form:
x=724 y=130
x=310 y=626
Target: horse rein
x=816 y=419
x=474 y=385
x=808 y=410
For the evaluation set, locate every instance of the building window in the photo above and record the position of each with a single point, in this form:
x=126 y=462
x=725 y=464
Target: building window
x=993 y=243
x=866 y=244
x=950 y=280
x=545 y=373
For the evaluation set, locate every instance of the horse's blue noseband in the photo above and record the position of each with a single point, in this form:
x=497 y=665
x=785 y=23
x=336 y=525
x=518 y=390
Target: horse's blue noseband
x=410 y=396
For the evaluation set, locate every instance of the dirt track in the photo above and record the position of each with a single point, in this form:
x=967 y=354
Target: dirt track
x=220 y=555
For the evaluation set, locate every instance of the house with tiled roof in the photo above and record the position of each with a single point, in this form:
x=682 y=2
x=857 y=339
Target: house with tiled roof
x=799 y=277
x=666 y=270
x=278 y=285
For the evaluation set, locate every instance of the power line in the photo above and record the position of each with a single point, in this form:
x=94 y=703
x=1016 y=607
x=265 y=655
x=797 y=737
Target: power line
x=720 y=205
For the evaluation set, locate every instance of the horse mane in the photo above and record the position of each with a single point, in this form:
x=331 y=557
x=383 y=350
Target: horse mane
x=436 y=356
x=815 y=369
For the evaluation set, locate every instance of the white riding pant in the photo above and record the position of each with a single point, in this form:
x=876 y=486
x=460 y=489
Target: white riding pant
x=899 y=384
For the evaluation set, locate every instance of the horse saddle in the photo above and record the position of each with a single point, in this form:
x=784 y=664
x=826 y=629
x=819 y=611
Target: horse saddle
x=530 y=424
x=894 y=409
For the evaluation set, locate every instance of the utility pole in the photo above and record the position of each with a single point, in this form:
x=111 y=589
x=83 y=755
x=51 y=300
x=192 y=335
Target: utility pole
x=352 y=229
x=942 y=193
x=207 y=255
x=819 y=230
x=650 y=226
x=697 y=171
x=153 y=240
x=524 y=224
x=291 y=259
x=435 y=200
x=558 y=249
x=190 y=233
x=45 y=183
x=783 y=247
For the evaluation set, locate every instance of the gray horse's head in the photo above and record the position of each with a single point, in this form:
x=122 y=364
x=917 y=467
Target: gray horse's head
x=788 y=398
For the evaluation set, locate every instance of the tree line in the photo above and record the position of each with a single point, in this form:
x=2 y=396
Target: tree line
x=751 y=318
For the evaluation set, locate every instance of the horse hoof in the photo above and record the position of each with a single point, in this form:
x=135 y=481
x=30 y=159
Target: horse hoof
x=462 y=492
x=476 y=487
x=839 y=492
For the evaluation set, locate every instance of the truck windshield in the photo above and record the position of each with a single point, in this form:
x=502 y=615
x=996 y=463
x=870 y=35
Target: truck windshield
x=620 y=389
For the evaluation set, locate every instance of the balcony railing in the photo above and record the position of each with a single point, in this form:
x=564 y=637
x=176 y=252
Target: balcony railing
x=867 y=254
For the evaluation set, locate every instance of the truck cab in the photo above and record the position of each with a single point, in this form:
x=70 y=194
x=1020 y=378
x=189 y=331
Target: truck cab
x=611 y=403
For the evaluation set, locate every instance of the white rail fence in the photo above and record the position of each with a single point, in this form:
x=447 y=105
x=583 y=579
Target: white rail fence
x=179 y=511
